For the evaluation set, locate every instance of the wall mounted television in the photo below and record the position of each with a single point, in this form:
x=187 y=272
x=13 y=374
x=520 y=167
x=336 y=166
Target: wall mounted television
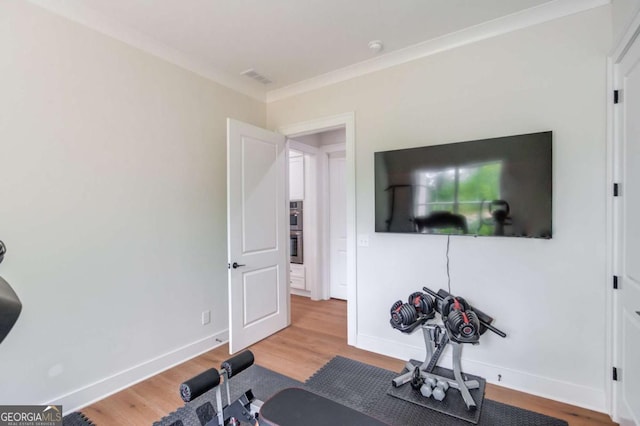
x=500 y=186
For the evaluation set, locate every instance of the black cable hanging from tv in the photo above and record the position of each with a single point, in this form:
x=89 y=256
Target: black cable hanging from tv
x=447 y=255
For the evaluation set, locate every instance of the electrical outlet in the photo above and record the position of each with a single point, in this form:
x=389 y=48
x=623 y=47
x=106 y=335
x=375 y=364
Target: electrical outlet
x=363 y=240
x=206 y=317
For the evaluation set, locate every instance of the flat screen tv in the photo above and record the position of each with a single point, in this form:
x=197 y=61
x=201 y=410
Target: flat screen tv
x=499 y=186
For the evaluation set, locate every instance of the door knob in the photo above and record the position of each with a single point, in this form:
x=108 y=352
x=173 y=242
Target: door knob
x=236 y=265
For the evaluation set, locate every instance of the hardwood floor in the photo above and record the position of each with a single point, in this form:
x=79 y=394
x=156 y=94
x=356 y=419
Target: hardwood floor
x=318 y=333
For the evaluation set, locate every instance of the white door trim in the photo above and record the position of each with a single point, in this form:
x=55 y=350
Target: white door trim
x=346 y=120
x=329 y=197
x=324 y=166
x=612 y=220
x=312 y=232
x=302 y=147
x=610 y=224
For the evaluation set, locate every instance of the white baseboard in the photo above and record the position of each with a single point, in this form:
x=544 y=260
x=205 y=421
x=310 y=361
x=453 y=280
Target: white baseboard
x=558 y=390
x=93 y=392
x=298 y=292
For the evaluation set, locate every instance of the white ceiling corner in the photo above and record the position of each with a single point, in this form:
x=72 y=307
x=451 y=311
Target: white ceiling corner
x=303 y=45
x=526 y=18
x=83 y=14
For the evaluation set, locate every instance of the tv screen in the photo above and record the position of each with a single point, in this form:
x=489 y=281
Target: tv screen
x=499 y=186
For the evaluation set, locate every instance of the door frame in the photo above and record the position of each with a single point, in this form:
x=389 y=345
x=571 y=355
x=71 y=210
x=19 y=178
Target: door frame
x=346 y=120
x=327 y=150
x=613 y=175
x=312 y=217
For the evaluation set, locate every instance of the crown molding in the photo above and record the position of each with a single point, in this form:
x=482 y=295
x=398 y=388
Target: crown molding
x=83 y=15
x=519 y=20
x=629 y=35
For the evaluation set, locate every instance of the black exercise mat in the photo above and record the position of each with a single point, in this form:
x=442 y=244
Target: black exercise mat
x=452 y=405
x=364 y=388
x=263 y=382
x=76 y=419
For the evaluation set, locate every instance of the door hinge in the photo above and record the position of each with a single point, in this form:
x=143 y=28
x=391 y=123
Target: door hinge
x=615 y=282
x=616 y=189
x=615 y=374
x=616 y=96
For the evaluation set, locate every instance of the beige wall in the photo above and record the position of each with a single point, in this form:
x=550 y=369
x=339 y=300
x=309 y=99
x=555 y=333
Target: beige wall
x=547 y=295
x=622 y=13
x=112 y=206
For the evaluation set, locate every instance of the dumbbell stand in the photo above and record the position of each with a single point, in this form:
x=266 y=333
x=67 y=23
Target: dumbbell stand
x=457 y=373
x=432 y=358
x=453 y=383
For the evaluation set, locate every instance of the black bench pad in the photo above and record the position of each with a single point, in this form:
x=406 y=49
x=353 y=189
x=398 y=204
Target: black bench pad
x=295 y=407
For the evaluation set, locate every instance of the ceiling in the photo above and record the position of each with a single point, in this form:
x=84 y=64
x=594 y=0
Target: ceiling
x=287 y=41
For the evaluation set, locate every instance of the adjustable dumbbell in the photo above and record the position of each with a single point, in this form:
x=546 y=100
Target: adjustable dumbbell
x=403 y=313
x=423 y=303
x=461 y=321
x=419 y=305
x=465 y=324
x=451 y=303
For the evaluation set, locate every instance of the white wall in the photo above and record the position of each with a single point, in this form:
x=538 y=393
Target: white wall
x=548 y=295
x=622 y=13
x=311 y=140
x=112 y=206
x=332 y=137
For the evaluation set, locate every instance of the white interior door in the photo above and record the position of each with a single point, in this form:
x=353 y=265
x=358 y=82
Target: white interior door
x=627 y=298
x=338 y=225
x=257 y=226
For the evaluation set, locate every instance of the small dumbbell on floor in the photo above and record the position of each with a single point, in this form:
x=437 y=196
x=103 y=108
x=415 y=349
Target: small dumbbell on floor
x=436 y=389
x=426 y=390
x=440 y=391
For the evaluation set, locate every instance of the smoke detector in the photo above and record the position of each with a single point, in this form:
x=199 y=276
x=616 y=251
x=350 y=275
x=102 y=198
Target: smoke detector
x=376 y=46
x=251 y=73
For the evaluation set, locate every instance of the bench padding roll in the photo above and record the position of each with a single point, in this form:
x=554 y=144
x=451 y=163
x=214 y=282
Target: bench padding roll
x=238 y=363
x=196 y=386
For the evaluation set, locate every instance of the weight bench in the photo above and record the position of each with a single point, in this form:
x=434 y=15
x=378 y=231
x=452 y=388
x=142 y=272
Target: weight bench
x=295 y=407
x=289 y=407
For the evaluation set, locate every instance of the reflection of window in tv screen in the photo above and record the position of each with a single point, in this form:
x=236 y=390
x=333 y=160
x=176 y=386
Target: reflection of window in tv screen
x=462 y=190
x=500 y=186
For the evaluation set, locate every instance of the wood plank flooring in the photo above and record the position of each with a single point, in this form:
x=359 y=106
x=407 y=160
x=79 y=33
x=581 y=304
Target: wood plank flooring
x=318 y=333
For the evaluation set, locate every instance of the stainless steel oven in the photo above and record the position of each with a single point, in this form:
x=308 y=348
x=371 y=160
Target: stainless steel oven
x=296 y=244
x=295 y=215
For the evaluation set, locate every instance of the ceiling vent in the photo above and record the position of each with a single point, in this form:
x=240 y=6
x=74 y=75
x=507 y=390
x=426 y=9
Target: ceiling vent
x=251 y=73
